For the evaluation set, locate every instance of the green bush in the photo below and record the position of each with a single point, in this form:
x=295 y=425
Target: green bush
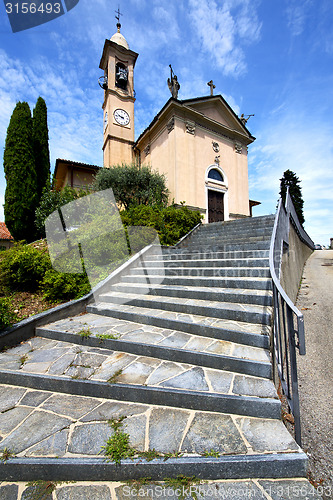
x=7 y=315
x=133 y=185
x=63 y=286
x=28 y=269
x=171 y=223
x=22 y=267
x=177 y=222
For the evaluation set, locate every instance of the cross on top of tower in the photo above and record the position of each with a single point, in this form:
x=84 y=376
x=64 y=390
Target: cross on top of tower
x=117 y=16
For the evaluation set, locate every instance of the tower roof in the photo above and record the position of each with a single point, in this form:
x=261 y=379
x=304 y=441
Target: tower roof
x=119 y=38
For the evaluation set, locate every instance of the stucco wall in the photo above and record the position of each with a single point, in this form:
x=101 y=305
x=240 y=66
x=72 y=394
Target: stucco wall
x=184 y=158
x=292 y=264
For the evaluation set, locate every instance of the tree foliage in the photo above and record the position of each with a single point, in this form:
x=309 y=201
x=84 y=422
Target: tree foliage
x=51 y=200
x=21 y=197
x=133 y=185
x=291 y=180
x=41 y=145
x=171 y=223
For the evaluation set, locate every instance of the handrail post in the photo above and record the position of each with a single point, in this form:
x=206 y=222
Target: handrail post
x=294 y=378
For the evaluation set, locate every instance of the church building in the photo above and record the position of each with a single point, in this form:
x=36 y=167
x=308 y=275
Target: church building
x=199 y=144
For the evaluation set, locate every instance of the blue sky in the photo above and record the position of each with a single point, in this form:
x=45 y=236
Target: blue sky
x=273 y=58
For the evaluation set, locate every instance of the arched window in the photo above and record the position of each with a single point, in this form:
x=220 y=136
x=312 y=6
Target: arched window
x=215 y=175
x=121 y=76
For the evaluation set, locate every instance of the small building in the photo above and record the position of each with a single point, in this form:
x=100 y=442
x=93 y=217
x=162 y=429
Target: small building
x=6 y=239
x=74 y=174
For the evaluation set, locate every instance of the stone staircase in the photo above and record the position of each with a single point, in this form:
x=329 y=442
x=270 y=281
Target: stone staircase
x=185 y=369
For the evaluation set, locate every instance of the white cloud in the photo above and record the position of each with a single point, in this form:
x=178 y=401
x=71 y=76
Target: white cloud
x=222 y=31
x=297 y=14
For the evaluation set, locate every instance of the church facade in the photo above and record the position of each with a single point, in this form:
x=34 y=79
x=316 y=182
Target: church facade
x=199 y=144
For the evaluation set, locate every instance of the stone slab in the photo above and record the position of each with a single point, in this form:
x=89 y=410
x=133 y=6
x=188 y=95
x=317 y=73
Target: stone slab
x=217 y=432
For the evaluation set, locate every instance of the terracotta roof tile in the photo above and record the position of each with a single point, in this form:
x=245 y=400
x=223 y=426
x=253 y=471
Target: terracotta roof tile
x=4 y=233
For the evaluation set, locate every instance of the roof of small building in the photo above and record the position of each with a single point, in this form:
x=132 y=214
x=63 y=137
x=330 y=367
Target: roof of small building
x=4 y=233
x=76 y=163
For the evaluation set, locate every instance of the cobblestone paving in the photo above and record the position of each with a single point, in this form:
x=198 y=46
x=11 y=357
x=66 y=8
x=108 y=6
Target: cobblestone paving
x=71 y=426
x=147 y=334
x=50 y=357
x=254 y=489
x=252 y=313
x=197 y=319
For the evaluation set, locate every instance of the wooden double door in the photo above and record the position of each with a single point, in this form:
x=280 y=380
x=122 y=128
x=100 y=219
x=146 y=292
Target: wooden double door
x=215 y=206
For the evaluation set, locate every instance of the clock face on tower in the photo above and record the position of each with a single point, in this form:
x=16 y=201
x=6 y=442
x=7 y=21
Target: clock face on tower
x=121 y=117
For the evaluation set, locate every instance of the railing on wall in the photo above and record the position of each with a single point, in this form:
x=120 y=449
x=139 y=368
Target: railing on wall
x=288 y=325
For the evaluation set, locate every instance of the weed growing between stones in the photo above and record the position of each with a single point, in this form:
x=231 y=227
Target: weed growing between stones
x=85 y=332
x=23 y=359
x=150 y=454
x=182 y=485
x=117 y=446
x=113 y=379
x=105 y=336
x=41 y=490
x=211 y=453
x=173 y=454
x=136 y=484
x=6 y=454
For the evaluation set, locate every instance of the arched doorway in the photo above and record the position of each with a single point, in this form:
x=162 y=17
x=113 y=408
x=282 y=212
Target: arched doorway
x=216 y=194
x=215 y=206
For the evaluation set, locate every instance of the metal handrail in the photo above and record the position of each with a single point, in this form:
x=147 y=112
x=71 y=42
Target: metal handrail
x=285 y=313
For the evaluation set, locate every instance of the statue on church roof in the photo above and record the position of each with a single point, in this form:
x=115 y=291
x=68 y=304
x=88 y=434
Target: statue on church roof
x=244 y=119
x=173 y=84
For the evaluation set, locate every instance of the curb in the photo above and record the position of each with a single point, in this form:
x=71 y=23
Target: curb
x=272 y=466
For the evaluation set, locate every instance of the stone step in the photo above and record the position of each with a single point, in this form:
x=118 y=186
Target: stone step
x=60 y=437
x=197 y=272
x=83 y=370
x=225 y=240
x=229 y=230
x=245 y=296
x=203 y=281
x=183 y=253
x=207 y=262
x=171 y=345
x=239 y=223
x=221 y=329
x=237 y=312
x=217 y=246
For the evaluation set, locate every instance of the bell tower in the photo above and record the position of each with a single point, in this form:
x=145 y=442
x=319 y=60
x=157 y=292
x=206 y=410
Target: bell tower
x=118 y=63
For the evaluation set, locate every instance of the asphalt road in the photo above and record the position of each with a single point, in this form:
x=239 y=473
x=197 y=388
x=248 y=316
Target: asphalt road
x=315 y=369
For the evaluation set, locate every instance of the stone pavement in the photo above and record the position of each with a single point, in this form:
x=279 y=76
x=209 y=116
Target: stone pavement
x=316 y=374
x=254 y=489
x=177 y=380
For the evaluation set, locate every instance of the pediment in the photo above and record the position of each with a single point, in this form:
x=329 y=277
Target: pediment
x=217 y=109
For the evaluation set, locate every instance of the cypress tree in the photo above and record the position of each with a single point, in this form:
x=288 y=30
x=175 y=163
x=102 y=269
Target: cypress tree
x=21 y=198
x=291 y=180
x=41 y=145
